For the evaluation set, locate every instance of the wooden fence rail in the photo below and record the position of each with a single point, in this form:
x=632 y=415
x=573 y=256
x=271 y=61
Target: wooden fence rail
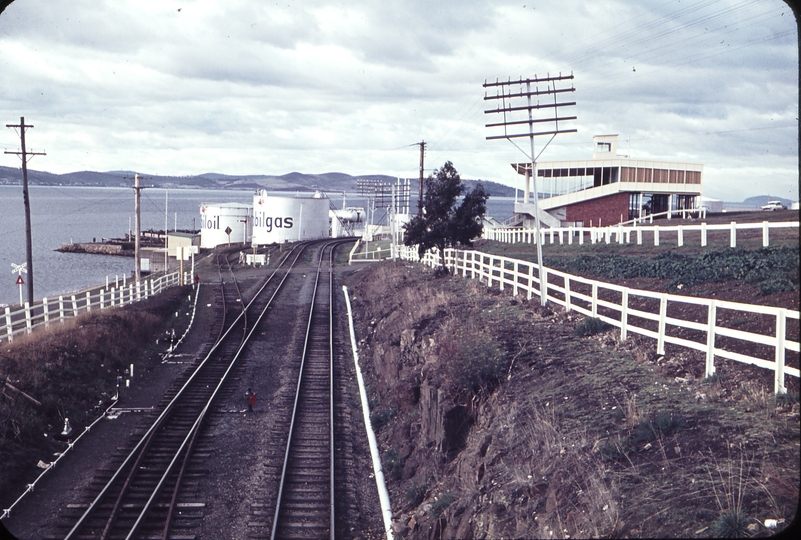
x=27 y=317
x=702 y=324
x=626 y=234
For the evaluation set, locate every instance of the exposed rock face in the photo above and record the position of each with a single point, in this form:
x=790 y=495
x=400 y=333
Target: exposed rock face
x=496 y=421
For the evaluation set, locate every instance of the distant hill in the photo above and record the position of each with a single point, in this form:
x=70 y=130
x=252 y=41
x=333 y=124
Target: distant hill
x=294 y=181
x=761 y=200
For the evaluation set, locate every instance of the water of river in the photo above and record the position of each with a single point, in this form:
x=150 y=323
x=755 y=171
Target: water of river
x=62 y=214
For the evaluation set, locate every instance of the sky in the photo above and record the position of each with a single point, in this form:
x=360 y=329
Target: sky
x=243 y=87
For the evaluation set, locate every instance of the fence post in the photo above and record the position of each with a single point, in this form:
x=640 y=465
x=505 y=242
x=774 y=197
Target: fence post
x=130 y=293
x=566 y=279
x=781 y=328
x=680 y=239
x=660 y=342
x=656 y=235
x=88 y=301
x=9 y=326
x=544 y=284
x=594 y=299
x=514 y=288
x=581 y=236
x=703 y=234
x=27 y=317
x=46 y=312
x=620 y=233
x=102 y=298
x=639 y=236
x=570 y=236
x=61 y=308
x=711 y=322
x=501 y=273
x=530 y=280
x=765 y=234
x=624 y=315
x=74 y=306
x=733 y=237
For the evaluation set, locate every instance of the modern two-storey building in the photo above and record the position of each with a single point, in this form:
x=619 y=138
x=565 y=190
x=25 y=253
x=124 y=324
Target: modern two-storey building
x=608 y=188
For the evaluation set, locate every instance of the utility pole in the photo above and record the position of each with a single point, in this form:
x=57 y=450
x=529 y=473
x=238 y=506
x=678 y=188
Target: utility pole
x=138 y=226
x=422 y=145
x=508 y=98
x=26 y=199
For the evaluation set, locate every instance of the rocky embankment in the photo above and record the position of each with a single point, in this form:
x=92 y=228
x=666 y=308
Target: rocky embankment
x=498 y=418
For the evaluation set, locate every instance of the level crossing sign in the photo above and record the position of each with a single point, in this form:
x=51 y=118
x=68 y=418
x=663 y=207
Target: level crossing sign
x=20 y=281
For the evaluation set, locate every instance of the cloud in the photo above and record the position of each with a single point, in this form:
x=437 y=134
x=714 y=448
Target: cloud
x=267 y=88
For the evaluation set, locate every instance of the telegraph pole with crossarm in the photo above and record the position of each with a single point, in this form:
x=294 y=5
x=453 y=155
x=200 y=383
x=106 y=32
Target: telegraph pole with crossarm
x=514 y=98
x=26 y=199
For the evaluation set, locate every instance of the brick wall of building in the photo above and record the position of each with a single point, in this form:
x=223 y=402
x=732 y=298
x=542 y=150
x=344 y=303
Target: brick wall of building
x=606 y=209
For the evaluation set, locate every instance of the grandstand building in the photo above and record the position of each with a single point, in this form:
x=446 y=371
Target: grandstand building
x=607 y=189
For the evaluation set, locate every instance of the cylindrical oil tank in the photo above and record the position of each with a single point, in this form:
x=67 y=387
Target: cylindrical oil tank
x=225 y=222
x=283 y=218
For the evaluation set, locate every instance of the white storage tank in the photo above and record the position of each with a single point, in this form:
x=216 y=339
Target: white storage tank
x=217 y=219
x=283 y=218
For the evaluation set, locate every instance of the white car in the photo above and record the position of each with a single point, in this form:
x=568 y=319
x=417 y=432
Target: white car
x=774 y=205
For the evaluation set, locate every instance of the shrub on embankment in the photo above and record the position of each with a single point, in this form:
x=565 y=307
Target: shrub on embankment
x=71 y=370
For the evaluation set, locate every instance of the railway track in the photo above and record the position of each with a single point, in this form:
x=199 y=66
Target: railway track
x=295 y=468
x=140 y=497
x=305 y=504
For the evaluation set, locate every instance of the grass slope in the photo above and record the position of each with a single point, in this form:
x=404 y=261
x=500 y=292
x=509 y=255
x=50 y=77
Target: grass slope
x=71 y=369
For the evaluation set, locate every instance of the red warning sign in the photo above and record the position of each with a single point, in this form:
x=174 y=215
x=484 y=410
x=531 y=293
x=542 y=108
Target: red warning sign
x=20 y=281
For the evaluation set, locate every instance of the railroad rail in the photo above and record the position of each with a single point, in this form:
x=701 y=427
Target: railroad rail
x=140 y=497
x=305 y=504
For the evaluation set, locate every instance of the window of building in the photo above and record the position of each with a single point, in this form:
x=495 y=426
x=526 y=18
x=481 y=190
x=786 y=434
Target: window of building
x=603 y=147
x=634 y=205
x=660 y=203
x=676 y=177
x=627 y=174
x=609 y=175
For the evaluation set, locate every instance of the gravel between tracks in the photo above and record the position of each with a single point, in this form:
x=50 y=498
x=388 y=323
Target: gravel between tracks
x=236 y=441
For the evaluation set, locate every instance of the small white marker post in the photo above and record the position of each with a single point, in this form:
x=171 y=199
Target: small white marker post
x=20 y=269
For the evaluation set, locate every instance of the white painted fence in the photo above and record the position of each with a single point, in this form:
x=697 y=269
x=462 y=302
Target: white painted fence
x=626 y=234
x=376 y=255
x=702 y=324
x=49 y=310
